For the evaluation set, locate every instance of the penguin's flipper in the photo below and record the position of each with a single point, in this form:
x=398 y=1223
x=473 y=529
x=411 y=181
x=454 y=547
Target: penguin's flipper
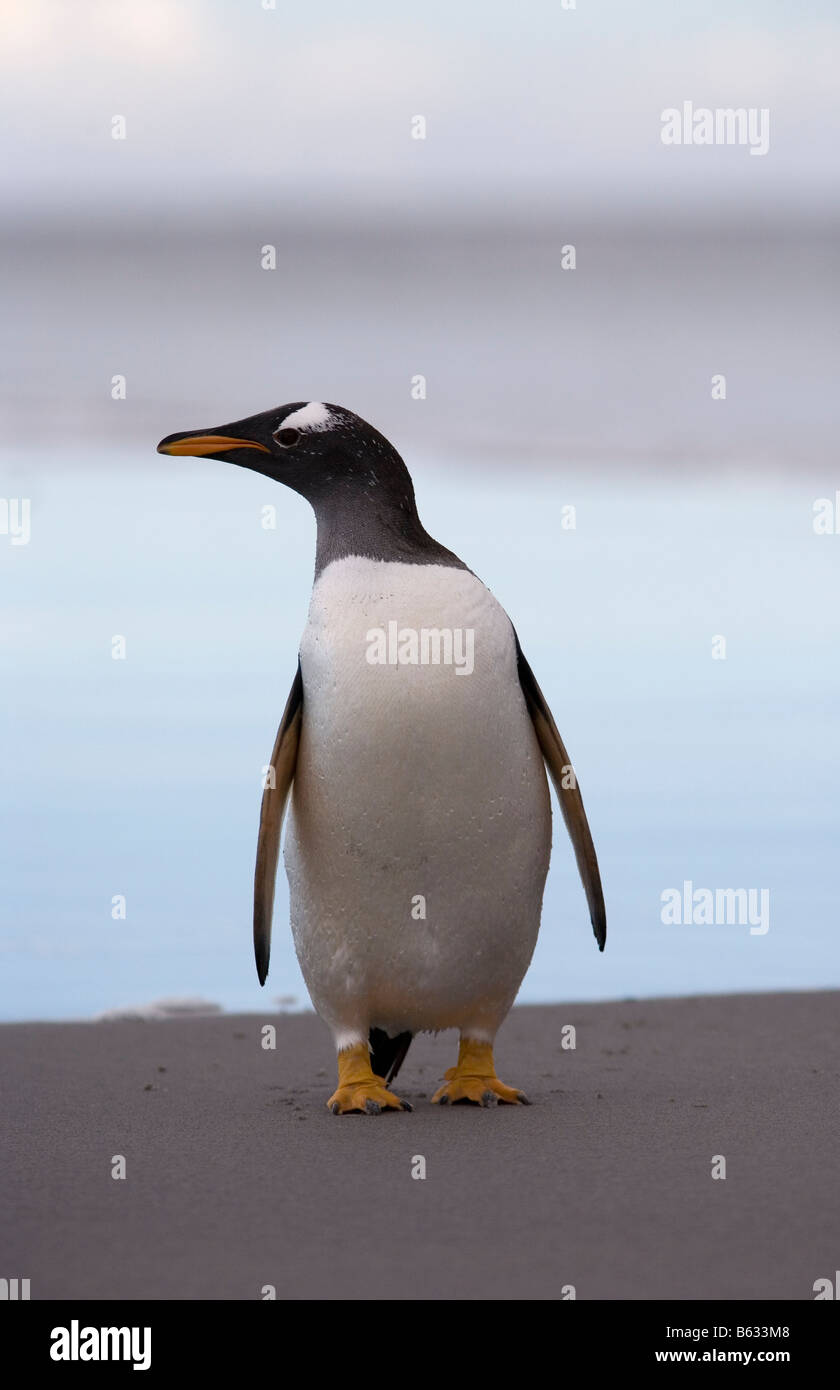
x=283 y=760
x=571 y=803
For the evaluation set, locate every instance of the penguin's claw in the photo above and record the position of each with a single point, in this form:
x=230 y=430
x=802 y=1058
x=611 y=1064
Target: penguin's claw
x=365 y=1098
x=359 y=1089
x=474 y=1081
x=486 y=1091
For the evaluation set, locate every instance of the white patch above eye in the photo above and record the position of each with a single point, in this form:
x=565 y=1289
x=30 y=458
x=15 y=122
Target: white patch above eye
x=313 y=416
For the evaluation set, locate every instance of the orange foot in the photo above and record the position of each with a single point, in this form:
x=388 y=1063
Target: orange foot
x=359 y=1089
x=474 y=1079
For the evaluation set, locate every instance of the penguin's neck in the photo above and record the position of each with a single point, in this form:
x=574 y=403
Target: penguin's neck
x=378 y=526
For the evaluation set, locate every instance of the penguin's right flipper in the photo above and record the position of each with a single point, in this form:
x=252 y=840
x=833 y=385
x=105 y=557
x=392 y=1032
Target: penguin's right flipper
x=283 y=760
x=568 y=794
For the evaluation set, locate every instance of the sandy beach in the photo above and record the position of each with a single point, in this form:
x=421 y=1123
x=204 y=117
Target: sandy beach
x=237 y=1177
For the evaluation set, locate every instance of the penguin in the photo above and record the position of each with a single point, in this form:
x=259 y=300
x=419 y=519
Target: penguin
x=412 y=755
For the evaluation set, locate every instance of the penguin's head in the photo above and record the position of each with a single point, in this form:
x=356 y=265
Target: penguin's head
x=314 y=448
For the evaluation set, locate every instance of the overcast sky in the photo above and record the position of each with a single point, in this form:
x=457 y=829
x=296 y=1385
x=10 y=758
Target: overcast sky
x=226 y=101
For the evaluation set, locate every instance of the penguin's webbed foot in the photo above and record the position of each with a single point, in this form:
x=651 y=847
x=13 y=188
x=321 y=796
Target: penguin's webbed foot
x=359 y=1090
x=474 y=1080
x=365 y=1099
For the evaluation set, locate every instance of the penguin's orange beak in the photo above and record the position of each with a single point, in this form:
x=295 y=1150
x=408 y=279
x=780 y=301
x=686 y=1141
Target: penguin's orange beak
x=197 y=445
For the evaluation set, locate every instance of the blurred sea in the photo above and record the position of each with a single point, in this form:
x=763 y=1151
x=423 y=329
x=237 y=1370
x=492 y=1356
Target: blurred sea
x=546 y=388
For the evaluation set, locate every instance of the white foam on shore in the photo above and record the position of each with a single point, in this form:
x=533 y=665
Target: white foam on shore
x=162 y=1008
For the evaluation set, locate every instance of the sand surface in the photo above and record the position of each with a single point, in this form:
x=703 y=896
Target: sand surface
x=237 y=1177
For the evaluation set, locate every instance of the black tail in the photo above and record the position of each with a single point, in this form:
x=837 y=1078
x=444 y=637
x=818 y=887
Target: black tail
x=388 y=1054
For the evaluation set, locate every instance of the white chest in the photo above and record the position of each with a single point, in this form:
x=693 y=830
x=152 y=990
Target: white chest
x=412 y=703
x=419 y=778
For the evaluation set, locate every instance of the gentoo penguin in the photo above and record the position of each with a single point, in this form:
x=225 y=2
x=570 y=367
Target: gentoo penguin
x=413 y=745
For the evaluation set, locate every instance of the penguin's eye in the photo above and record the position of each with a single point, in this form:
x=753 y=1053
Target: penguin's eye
x=287 y=438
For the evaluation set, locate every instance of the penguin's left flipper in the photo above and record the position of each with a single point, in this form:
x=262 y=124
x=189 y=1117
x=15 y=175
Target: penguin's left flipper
x=568 y=794
x=283 y=761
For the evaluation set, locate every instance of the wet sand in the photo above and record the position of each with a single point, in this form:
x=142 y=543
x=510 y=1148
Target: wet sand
x=238 y=1178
